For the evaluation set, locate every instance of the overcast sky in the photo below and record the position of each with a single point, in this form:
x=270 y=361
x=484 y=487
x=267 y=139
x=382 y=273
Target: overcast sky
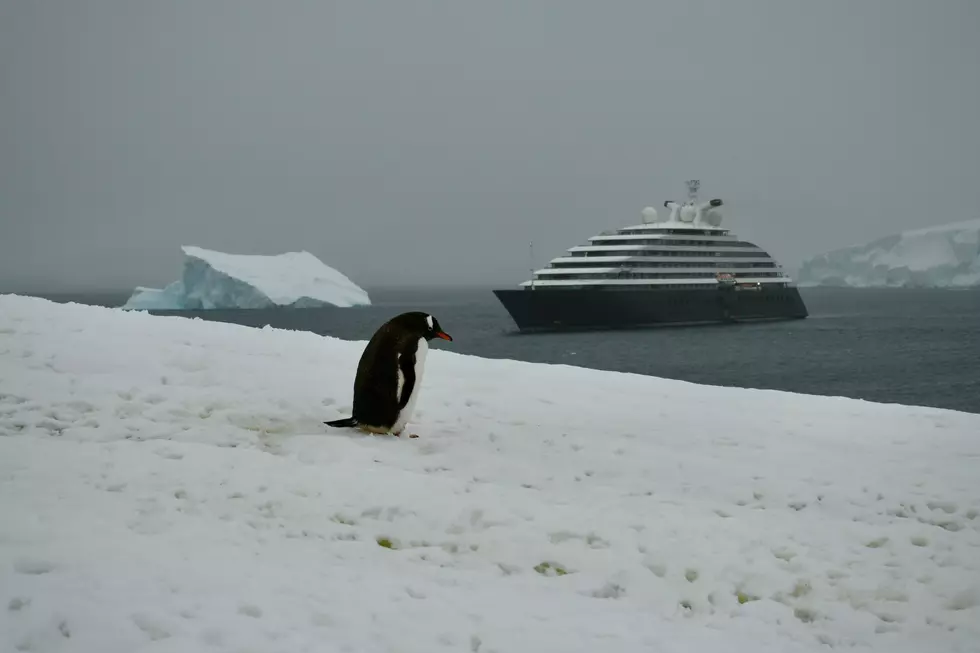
x=428 y=142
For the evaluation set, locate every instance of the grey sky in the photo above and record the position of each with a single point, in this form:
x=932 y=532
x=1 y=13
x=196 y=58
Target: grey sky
x=420 y=142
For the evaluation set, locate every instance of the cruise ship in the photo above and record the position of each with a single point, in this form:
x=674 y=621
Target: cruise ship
x=682 y=268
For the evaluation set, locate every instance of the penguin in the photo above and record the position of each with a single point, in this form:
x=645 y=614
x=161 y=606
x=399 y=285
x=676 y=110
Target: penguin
x=389 y=374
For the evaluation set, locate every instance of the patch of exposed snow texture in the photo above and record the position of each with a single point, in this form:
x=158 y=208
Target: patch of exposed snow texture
x=947 y=256
x=217 y=280
x=190 y=499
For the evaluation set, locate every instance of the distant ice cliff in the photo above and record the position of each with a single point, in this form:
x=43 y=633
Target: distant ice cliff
x=213 y=280
x=936 y=257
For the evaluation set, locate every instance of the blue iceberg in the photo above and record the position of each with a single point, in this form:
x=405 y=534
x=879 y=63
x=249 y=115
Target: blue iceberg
x=213 y=280
x=946 y=256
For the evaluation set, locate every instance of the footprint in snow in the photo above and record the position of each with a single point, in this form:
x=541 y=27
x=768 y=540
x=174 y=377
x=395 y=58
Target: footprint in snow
x=151 y=626
x=947 y=507
x=250 y=610
x=33 y=566
x=18 y=603
x=169 y=454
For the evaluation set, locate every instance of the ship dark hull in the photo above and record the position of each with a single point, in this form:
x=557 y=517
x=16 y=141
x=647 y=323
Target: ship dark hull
x=557 y=309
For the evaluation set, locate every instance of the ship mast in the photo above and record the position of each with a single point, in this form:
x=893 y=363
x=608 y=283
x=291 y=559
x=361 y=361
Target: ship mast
x=692 y=190
x=530 y=260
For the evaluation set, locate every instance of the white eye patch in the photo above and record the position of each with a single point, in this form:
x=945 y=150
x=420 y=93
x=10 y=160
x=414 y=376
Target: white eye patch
x=428 y=320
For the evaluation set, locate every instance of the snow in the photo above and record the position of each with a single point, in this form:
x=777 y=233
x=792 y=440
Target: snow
x=167 y=485
x=217 y=280
x=947 y=256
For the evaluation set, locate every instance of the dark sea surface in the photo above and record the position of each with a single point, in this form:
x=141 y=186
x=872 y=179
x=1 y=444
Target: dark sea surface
x=919 y=347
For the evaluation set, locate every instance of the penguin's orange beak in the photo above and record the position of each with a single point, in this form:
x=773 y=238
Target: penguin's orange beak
x=444 y=336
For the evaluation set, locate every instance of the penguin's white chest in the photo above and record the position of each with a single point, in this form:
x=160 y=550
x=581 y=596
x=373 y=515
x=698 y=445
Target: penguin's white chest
x=406 y=412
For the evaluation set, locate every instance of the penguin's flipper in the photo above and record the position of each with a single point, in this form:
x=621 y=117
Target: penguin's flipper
x=347 y=422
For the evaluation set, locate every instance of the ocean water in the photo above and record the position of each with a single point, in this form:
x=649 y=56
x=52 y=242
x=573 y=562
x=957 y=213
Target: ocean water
x=919 y=347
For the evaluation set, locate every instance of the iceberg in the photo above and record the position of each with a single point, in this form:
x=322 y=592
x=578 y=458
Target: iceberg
x=946 y=256
x=213 y=280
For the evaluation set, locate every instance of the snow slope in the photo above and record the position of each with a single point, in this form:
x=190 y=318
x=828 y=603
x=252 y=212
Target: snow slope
x=218 y=280
x=934 y=257
x=166 y=485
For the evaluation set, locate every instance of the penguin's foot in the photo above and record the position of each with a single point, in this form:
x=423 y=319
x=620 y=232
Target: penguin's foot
x=379 y=430
x=374 y=430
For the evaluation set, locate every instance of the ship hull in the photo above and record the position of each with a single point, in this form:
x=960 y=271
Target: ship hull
x=558 y=309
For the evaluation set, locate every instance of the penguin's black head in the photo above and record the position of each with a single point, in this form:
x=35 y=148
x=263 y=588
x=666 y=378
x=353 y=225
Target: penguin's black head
x=423 y=324
x=433 y=330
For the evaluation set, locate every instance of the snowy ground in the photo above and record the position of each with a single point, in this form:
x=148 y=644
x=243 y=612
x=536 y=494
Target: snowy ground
x=167 y=485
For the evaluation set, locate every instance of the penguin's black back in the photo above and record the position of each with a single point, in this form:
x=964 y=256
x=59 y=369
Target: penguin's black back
x=393 y=345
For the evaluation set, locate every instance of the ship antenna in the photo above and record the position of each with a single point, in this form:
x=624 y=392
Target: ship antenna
x=530 y=260
x=692 y=190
